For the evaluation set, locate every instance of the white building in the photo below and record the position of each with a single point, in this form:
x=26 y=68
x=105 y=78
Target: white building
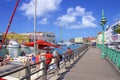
x=46 y=36
x=111 y=36
x=78 y=40
x=108 y=35
x=99 y=38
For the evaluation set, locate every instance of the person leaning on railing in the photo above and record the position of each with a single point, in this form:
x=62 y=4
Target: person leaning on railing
x=7 y=59
x=1 y=61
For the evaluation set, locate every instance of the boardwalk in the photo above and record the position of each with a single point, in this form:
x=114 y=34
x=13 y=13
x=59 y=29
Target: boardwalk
x=91 y=67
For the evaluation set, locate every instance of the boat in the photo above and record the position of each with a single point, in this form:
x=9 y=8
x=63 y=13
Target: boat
x=23 y=46
x=67 y=43
x=13 y=44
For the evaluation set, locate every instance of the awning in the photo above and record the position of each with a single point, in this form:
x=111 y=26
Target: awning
x=41 y=44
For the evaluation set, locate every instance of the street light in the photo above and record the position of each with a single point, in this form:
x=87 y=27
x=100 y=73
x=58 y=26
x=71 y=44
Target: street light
x=102 y=23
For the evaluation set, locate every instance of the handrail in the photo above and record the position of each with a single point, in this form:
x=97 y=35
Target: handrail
x=28 y=66
x=112 y=55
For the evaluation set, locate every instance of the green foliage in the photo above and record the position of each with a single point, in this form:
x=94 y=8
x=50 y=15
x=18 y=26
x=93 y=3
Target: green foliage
x=117 y=30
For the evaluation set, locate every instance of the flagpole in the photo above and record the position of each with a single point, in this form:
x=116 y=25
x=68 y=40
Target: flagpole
x=35 y=26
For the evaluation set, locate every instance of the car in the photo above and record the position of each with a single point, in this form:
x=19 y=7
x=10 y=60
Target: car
x=118 y=46
x=111 y=46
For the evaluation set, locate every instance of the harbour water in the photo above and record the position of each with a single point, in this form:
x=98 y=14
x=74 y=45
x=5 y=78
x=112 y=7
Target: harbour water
x=15 y=52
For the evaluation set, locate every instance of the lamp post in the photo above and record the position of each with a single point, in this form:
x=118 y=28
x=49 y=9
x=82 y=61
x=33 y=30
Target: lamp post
x=102 y=23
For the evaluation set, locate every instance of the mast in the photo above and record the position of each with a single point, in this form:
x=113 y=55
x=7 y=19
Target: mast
x=35 y=26
x=61 y=34
x=11 y=18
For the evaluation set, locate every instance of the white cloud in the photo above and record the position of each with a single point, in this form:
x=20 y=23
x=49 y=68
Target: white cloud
x=43 y=21
x=67 y=19
x=43 y=7
x=88 y=20
x=76 y=18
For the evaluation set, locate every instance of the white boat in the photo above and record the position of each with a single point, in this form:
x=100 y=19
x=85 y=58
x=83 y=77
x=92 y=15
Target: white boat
x=65 y=43
x=2 y=46
x=23 y=46
x=13 y=44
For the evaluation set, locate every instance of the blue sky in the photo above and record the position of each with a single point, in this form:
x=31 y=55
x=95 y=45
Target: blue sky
x=77 y=18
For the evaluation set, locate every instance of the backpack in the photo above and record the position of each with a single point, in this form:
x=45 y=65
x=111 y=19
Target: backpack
x=60 y=57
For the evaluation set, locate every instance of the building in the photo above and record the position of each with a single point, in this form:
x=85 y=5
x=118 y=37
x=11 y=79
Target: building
x=115 y=36
x=99 y=38
x=46 y=36
x=20 y=38
x=108 y=35
x=89 y=40
x=111 y=36
x=77 y=40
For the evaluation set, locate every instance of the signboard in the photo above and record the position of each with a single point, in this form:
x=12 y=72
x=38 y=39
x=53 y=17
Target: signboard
x=116 y=38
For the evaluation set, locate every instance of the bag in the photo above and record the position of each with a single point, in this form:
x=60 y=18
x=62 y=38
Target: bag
x=60 y=57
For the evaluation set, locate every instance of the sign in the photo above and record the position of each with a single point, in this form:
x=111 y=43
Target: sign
x=116 y=38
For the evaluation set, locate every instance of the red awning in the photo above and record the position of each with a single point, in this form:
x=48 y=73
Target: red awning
x=41 y=44
x=30 y=44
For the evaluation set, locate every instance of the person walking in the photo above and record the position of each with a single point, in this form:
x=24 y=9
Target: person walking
x=69 y=54
x=58 y=58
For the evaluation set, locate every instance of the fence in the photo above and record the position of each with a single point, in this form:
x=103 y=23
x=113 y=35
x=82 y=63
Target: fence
x=111 y=54
x=31 y=73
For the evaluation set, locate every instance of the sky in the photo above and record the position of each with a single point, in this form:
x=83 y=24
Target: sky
x=66 y=18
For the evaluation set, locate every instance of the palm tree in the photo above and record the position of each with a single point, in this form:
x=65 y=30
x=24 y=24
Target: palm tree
x=117 y=30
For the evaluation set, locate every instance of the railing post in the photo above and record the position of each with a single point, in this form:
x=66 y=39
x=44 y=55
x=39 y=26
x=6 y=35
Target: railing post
x=56 y=61
x=72 y=56
x=76 y=53
x=64 y=60
x=27 y=71
x=44 y=72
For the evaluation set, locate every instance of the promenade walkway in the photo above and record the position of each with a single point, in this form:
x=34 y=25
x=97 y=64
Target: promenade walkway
x=91 y=67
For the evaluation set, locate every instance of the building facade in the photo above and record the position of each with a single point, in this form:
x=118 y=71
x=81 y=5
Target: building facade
x=99 y=38
x=111 y=36
x=89 y=40
x=20 y=38
x=78 y=40
x=46 y=36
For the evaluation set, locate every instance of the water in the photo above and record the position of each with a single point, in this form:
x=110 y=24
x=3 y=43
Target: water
x=15 y=52
x=64 y=48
